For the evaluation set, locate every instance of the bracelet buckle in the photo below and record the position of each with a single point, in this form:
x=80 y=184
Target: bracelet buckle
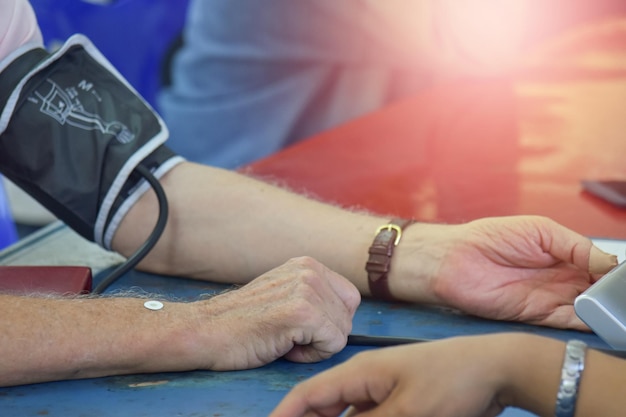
x=378 y=264
x=391 y=226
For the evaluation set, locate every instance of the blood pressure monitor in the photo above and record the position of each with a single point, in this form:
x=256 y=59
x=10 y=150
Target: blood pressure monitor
x=603 y=307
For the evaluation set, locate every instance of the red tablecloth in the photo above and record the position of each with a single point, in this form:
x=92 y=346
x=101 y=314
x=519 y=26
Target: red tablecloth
x=473 y=148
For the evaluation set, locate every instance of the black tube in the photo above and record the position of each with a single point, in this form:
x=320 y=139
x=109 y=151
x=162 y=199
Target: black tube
x=136 y=257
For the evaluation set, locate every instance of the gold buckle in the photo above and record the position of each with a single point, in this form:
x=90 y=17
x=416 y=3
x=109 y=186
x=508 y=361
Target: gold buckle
x=390 y=227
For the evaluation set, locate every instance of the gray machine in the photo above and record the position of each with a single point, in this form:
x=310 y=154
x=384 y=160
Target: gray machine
x=603 y=307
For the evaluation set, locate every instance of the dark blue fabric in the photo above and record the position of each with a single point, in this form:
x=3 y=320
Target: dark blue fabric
x=134 y=35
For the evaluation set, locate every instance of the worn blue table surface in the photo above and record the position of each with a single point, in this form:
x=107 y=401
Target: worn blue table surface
x=242 y=393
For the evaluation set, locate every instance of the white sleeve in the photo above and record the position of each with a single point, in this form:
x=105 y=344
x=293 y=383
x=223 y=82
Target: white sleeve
x=18 y=26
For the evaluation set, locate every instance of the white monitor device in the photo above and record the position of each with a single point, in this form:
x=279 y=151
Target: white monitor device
x=603 y=305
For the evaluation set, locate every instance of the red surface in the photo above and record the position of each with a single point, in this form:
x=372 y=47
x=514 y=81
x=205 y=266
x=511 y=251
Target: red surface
x=45 y=279
x=470 y=149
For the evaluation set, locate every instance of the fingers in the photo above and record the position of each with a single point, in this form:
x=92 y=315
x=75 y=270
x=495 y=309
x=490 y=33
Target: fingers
x=343 y=288
x=327 y=305
x=323 y=343
x=315 y=397
x=315 y=313
x=329 y=393
x=300 y=310
x=572 y=247
x=563 y=317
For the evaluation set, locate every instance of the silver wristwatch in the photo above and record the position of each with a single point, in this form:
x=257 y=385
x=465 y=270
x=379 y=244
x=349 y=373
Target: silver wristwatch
x=573 y=365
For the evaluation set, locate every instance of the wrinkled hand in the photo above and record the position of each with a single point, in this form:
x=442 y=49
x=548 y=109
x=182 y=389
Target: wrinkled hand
x=524 y=268
x=300 y=310
x=464 y=376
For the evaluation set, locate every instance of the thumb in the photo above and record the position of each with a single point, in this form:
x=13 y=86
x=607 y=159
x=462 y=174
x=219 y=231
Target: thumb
x=601 y=262
x=572 y=247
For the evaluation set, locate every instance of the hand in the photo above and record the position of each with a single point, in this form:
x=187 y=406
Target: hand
x=524 y=268
x=300 y=310
x=465 y=376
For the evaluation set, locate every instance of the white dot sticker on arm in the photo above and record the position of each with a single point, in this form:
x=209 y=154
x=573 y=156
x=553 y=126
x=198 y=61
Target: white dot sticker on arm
x=153 y=305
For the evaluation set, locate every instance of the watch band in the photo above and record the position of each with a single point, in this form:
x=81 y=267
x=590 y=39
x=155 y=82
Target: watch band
x=573 y=366
x=379 y=262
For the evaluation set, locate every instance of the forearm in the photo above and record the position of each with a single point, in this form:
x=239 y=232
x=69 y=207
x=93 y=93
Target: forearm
x=227 y=227
x=602 y=386
x=301 y=311
x=536 y=371
x=533 y=370
x=58 y=338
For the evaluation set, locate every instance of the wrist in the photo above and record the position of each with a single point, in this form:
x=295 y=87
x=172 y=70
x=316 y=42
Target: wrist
x=212 y=334
x=386 y=238
x=532 y=373
x=184 y=337
x=571 y=373
x=416 y=263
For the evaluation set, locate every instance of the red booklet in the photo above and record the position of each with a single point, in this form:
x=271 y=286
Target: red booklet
x=45 y=279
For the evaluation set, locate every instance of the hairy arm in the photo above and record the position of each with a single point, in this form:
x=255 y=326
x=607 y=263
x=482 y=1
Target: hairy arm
x=46 y=338
x=227 y=227
x=300 y=310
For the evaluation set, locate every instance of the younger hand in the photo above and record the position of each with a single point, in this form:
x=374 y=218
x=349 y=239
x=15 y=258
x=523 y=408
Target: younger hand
x=466 y=376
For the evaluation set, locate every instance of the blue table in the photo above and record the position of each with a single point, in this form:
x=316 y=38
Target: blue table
x=241 y=393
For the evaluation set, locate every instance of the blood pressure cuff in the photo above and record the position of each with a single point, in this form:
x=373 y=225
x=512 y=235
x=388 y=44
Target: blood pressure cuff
x=72 y=132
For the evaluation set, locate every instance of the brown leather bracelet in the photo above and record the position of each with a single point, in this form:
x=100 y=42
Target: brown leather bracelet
x=379 y=261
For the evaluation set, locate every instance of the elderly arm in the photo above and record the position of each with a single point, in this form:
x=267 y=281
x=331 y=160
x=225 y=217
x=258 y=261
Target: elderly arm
x=300 y=310
x=227 y=227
